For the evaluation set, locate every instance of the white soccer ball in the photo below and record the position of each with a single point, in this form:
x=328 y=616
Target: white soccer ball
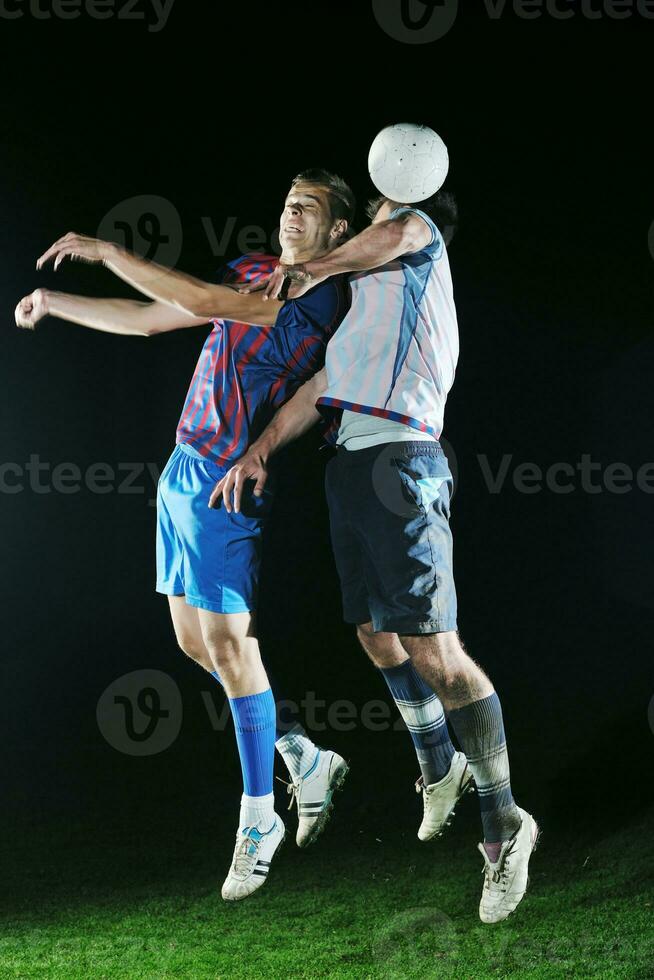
x=408 y=163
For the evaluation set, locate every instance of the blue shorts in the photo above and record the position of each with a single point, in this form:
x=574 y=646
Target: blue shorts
x=389 y=509
x=207 y=555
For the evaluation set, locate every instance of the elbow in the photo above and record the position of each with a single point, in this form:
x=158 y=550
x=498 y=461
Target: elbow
x=412 y=234
x=320 y=388
x=317 y=386
x=407 y=238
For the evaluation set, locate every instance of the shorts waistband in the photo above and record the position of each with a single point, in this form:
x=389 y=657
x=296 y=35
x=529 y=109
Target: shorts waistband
x=401 y=448
x=192 y=451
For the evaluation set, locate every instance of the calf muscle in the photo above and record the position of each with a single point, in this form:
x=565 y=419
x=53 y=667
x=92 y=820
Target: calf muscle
x=444 y=664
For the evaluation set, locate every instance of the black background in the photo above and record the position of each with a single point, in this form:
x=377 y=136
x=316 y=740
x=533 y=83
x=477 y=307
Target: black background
x=549 y=133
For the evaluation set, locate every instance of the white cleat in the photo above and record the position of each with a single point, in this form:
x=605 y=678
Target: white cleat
x=251 y=862
x=505 y=881
x=313 y=793
x=440 y=799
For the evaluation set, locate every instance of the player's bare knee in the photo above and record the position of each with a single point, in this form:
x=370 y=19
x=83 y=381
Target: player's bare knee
x=458 y=676
x=196 y=651
x=382 y=648
x=227 y=650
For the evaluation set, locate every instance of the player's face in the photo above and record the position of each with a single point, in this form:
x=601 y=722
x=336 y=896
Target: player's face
x=306 y=223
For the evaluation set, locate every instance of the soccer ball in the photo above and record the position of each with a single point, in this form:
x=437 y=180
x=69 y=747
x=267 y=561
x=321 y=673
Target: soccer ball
x=407 y=162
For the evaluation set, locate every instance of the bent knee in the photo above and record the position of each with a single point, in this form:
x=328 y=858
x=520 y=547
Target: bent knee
x=227 y=648
x=197 y=651
x=384 y=649
x=371 y=641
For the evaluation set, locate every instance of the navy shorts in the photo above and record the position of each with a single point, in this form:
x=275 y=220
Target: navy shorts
x=389 y=510
x=207 y=555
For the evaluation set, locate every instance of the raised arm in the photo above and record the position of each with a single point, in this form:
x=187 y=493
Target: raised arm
x=177 y=289
x=292 y=420
x=122 y=316
x=381 y=242
x=376 y=245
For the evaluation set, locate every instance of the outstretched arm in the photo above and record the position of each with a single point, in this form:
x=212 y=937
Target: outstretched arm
x=122 y=316
x=291 y=421
x=378 y=244
x=186 y=293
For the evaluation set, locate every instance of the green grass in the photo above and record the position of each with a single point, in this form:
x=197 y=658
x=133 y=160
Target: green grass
x=137 y=896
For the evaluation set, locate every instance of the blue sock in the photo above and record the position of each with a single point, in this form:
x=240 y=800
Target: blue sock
x=279 y=732
x=479 y=728
x=254 y=723
x=424 y=717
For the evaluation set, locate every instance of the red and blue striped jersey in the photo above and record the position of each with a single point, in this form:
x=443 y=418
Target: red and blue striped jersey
x=245 y=373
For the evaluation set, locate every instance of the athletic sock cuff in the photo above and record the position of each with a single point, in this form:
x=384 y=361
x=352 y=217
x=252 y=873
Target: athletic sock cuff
x=253 y=712
x=297 y=731
x=480 y=716
x=406 y=683
x=258 y=801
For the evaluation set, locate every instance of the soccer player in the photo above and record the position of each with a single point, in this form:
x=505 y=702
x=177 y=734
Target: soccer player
x=254 y=359
x=386 y=378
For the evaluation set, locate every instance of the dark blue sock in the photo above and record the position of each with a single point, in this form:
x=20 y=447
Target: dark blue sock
x=479 y=728
x=254 y=723
x=424 y=717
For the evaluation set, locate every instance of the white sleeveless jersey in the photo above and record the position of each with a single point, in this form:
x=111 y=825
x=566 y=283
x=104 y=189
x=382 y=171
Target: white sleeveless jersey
x=395 y=353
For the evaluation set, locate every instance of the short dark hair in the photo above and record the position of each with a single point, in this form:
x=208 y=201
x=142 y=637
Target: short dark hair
x=342 y=201
x=441 y=208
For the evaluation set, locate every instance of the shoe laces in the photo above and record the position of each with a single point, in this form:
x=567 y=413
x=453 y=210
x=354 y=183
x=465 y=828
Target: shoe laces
x=421 y=788
x=426 y=791
x=246 y=853
x=293 y=789
x=496 y=879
